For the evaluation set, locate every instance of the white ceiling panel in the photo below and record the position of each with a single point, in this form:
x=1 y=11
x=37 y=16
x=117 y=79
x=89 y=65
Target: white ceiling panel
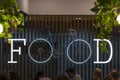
x=57 y=7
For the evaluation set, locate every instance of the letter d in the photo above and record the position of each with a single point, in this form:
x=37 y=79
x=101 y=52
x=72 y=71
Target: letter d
x=111 y=51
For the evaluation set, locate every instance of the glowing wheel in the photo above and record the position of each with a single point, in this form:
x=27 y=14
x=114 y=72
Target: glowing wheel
x=40 y=50
x=76 y=51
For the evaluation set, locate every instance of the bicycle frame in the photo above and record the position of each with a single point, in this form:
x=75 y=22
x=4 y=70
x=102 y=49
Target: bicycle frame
x=49 y=40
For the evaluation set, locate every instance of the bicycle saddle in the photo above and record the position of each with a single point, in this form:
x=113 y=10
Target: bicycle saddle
x=72 y=31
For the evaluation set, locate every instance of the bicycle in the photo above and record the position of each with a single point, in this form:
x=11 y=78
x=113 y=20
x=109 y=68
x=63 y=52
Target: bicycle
x=46 y=47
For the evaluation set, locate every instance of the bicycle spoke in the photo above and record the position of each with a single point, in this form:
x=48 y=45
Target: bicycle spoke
x=40 y=50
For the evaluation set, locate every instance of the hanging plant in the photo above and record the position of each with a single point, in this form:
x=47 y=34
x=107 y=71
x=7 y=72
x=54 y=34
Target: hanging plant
x=106 y=12
x=10 y=17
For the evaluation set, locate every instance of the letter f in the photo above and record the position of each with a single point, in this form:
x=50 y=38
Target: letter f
x=15 y=50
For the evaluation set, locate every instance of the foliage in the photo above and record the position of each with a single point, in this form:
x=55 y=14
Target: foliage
x=106 y=12
x=10 y=17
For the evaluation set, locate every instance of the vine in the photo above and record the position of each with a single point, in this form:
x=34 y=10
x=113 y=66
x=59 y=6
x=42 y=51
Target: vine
x=106 y=12
x=10 y=17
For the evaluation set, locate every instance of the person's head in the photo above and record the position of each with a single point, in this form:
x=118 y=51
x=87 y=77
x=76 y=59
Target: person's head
x=108 y=77
x=114 y=74
x=71 y=72
x=39 y=75
x=4 y=77
x=96 y=73
x=62 y=77
x=13 y=75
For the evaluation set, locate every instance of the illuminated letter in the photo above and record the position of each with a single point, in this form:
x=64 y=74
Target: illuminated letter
x=15 y=50
x=80 y=40
x=111 y=51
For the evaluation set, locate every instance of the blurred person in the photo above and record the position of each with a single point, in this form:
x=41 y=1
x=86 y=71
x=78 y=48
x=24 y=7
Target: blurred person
x=108 y=77
x=62 y=77
x=13 y=75
x=4 y=77
x=41 y=76
x=96 y=74
x=114 y=74
x=72 y=75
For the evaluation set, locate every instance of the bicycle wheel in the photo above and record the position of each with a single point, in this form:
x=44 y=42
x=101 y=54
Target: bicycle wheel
x=79 y=51
x=40 y=50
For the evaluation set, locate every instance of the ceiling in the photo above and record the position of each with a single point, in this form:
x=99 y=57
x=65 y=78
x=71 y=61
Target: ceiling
x=57 y=7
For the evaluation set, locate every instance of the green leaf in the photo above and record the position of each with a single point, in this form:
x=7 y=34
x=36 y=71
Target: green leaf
x=10 y=16
x=6 y=25
x=2 y=35
x=95 y=9
x=21 y=29
x=9 y=35
x=104 y=50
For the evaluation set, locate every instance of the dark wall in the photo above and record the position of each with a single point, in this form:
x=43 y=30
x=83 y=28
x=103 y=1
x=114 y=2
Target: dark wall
x=35 y=27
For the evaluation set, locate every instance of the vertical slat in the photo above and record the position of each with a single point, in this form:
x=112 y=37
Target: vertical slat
x=61 y=57
x=74 y=22
x=64 y=56
x=114 y=57
x=70 y=38
x=35 y=28
x=46 y=25
x=31 y=39
x=19 y=62
x=78 y=30
x=25 y=63
x=49 y=21
x=115 y=52
x=60 y=66
x=7 y=56
x=53 y=41
x=66 y=40
x=77 y=56
x=51 y=66
x=48 y=68
x=42 y=29
x=27 y=36
x=14 y=66
x=58 y=48
x=43 y=24
x=2 y=58
x=61 y=31
x=57 y=42
x=73 y=49
x=1 y=44
x=81 y=37
x=92 y=37
x=119 y=54
x=115 y=61
x=35 y=34
x=86 y=38
x=5 y=59
x=38 y=27
x=28 y=42
x=60 y=18
x=84 y=48
x=22 y=59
